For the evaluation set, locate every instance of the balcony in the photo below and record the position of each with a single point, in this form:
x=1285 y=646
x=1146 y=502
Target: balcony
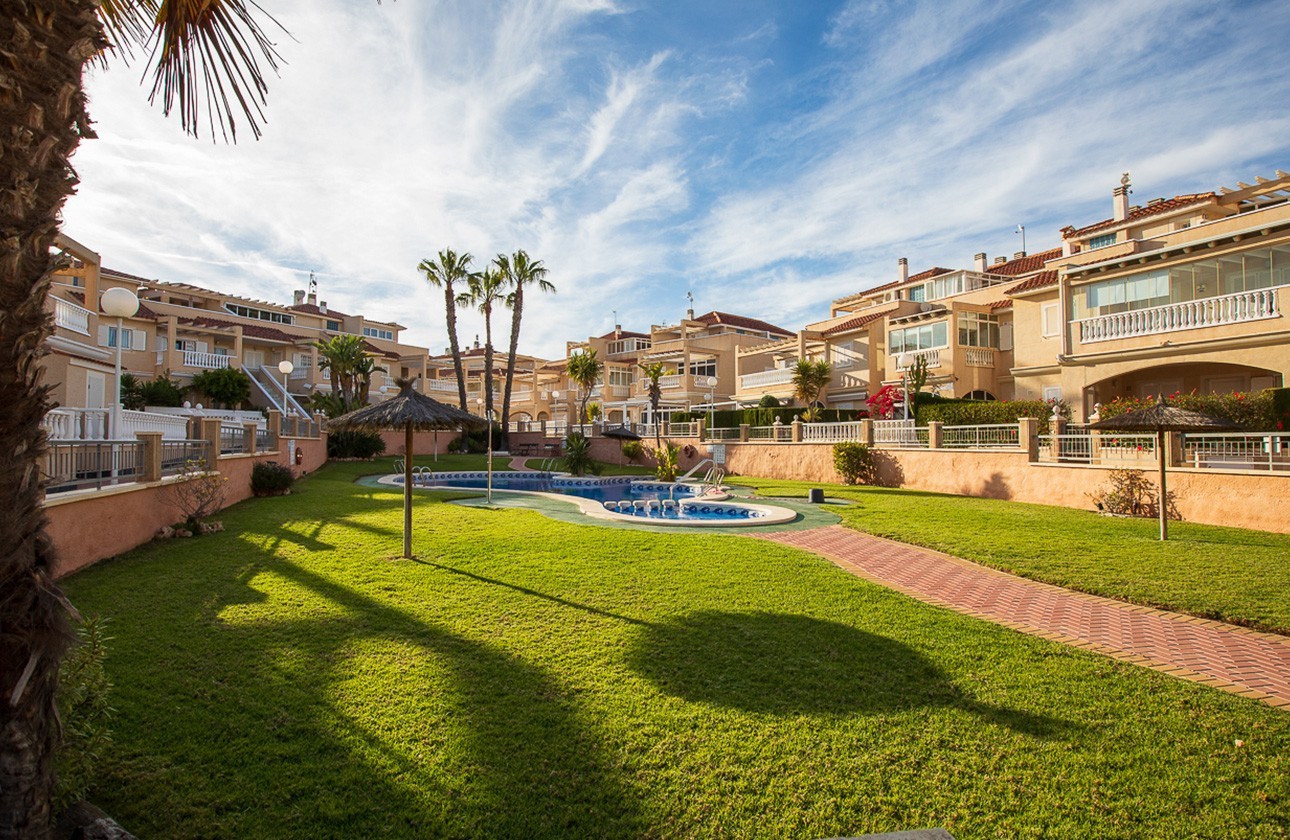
x=1257 y=305
x=443 y=386
x=677 y=380
x=69 y=316
x=765 y=379
x=933 y=358
x=206 y=361
x=978 y=357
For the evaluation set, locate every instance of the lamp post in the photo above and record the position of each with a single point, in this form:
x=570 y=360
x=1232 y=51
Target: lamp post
x=555 y=402
x=712 y=400
x=119 y=303
x=903 y=361
x=479 y=402
x=285 y=367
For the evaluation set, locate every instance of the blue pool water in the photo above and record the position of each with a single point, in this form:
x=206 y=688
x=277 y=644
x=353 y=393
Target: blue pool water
x=613 y=489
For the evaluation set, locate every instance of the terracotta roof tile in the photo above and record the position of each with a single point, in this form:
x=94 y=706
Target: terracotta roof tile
x=144 y=311
x=373 y=350
x=312 y=309
x=252 y=330
x=1024 y=265
x=740 y=322
x=1040 y=280
x=855 y=323
x=611 y=336
x=1140 y=213
x=1000 y=304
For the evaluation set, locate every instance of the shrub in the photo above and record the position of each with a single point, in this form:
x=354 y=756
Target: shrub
x=130 y=396
x=227 y=387
x=354 y=445
x=197 y=493
x=1131 y=493
x=269 y=478
x=162 y=391
x=956 y=412
x=768 y=401
x=632 y=449
x=667 y=456
x=1252 y=412
x=83 y=709
x=1281 y=408
x=855 y=463
x=577 y=455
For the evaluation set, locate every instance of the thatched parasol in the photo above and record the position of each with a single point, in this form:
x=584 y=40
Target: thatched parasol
x=411 y=412
x=1161 y=418
x=620 y=432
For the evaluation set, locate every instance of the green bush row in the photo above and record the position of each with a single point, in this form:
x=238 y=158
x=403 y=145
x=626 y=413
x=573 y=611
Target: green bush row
x=957 y=412
x=1252 y=412
x=354 y=445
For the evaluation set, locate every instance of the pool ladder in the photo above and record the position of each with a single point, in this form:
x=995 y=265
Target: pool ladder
x=711 y=481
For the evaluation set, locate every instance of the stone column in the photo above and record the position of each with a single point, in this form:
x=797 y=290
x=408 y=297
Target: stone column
x=151 y=455
x=210 y=433
x=703 y=427
x=743 y=432
x=866 y=432
x=935 y=434
x=248 y=437
x=274 y=425
x=1029 y=435
x=797 y=431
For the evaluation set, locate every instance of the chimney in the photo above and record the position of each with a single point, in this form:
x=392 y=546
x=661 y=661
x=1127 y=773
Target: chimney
x=476 y=341
x=978 y=261
x=902 y=269
x=1018 y=255
x=1000 y=260
x=312 y=298
x=322 y=307
x=618 y=330
x=298 y=296
x=1120 y=199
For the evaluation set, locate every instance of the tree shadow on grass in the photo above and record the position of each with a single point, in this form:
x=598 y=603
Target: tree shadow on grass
x=777 y=664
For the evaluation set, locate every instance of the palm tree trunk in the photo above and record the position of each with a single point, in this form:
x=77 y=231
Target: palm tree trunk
x=516 y=310
x=450 y=304
x=42 y=109
x=488 y=371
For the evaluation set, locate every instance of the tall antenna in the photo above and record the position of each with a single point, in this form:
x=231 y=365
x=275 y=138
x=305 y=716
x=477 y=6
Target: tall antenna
x=1021 y=229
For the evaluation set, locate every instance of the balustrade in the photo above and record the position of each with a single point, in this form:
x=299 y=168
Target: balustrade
x=1256 y=305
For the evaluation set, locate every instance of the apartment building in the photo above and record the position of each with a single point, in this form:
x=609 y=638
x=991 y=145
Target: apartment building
x=181 y=329
x=1177 y=294
x=528 y=381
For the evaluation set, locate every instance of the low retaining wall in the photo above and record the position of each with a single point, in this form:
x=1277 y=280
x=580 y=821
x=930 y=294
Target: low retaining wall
x=90 y=525
x=1213 y=497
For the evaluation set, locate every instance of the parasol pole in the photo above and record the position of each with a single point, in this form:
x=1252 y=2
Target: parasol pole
x=1164 y=510
x=407 y=491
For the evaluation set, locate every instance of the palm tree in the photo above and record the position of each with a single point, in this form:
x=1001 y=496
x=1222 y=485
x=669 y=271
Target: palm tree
x=520 y=271
x=487 y=288
x=342 y=357
x=584 y=371
x=654 y=371
x=443 y=272
x=207 y=58
x=809 y=379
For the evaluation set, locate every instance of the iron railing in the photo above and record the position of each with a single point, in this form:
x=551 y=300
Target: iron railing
x=85 y=464
x=1264 y=451
x=989 y=436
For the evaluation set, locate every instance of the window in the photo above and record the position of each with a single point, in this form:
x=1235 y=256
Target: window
x=706 y=368
x=622 y=376
x=375 y=332
x=1051 y=321
x=846 y=354
x=924 y=337
x=1052 y=393
x=126 y=337
x=1101 y=241
x=334 y=326
x=978 y=330
x=258 y=314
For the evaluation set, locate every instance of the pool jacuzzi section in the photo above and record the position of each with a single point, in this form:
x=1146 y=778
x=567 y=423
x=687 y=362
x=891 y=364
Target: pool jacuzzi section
x=618 y=498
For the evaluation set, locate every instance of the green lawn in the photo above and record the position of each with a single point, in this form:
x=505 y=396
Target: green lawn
x=1229 y=574
x=291 y=677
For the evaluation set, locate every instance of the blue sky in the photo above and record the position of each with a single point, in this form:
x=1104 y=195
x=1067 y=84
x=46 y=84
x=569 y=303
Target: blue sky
x=767 y=156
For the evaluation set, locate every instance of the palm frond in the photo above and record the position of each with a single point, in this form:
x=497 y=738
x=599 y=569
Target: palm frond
x=127 y=24
x=208 y=53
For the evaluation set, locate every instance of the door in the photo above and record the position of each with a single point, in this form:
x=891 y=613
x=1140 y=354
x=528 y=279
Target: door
x=95 y=389
x=252 y=359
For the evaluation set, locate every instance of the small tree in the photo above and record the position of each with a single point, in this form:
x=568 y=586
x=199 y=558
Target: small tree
x=584 y=371
x=768 y=401
x=667 y=456
x=809 y=379
x=855 y=463
x=916 y=377
x=226 y=387
x=197 y=492
x=653 y=372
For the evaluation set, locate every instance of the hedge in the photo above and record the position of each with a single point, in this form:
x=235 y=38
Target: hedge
x=957 y=412
x=732 y=418
x=1252 y=412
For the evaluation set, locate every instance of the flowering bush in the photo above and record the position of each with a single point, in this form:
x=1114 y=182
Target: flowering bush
x=1252 y=412
x=883 y=403
x=1131 y=493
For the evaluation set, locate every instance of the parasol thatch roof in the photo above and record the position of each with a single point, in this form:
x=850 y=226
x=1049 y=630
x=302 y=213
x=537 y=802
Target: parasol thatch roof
x=407 y=409
x=620 y=432
x=1164 y=418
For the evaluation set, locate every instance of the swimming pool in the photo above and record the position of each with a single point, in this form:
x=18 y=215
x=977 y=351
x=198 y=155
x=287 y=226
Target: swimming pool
x=621 y=498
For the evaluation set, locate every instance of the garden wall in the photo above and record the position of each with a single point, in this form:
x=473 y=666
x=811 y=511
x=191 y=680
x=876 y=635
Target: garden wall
x=1212 y=497
x=89 y=525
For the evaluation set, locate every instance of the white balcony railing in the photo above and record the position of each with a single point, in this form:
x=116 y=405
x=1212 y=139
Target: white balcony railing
x=69 y=316
x=518 y=396
x=933 y=358
x=978 y=357
x=1256 y=305
x=765 y=379
x=205 y=361
x=673 y=381
x=170 y=426
x=76 y=424
x=446 y=386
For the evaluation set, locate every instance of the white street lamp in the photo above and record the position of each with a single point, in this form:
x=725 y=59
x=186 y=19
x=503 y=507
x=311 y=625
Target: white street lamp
x=285 y=368
x=119 y=303
x=712 y=400
x=555 y=402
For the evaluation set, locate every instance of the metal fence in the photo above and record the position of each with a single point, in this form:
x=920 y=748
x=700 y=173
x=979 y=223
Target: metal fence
x=1105 y=449
x=993 y=436
x=180 y=455
x=263 y=443
x=781 y=433
x=1263 y=451
x=84 y=464
x=728 y=433
x=831 y=432
x=232 y=439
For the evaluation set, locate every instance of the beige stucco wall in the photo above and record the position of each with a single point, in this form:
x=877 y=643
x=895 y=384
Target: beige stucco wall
x=1212 y=497
x=89 y=525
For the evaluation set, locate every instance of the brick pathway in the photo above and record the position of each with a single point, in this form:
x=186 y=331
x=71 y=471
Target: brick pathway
x=1232 y=658
x=518 y=463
